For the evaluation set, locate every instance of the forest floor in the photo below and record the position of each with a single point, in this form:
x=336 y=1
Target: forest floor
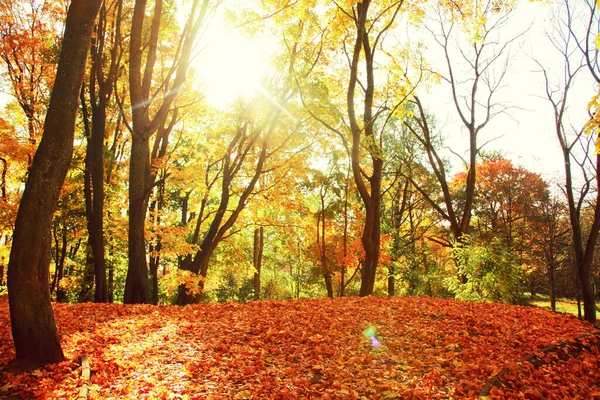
x=562 y=305
x=350 y=348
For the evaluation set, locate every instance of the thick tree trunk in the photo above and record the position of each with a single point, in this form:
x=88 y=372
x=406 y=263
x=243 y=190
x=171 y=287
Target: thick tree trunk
x=136 y=285
x=143 y=42
x=96 y=222
x=33 y=326
x=93 y=188
x=371 y=238
x=370 y=191
x=328 y=284
x=587 y=292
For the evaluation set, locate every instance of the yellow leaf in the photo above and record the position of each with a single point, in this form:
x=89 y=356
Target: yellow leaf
x=244 y=394
x=6 y=387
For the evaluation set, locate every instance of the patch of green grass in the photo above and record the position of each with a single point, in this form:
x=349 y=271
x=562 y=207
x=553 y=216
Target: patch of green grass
x=568 y=306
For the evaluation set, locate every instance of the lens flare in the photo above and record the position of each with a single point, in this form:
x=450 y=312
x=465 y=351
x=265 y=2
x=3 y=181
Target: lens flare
x=371 y=334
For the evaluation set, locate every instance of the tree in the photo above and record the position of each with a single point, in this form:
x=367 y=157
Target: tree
x=32 y=321
x=473 y=93
x=237 y=169
x=142 y=175
x=551 y=227
x=509 y=202
x=106 y=54
x=567 y=41
x=508 y=199
x=28 y=37
x=257 y=259
x=345 y=97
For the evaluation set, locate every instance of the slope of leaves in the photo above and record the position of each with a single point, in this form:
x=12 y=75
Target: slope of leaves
x=424 y=348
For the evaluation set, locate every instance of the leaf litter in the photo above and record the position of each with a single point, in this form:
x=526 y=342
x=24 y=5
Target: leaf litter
x=349 y=348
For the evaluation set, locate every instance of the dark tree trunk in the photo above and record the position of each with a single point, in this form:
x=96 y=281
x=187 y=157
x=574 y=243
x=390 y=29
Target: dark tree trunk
x=259 y=243
x=136 y=285
x=155 y=249
x=33 y=326
x=61 y=256
x=583 y=249
x=343 y=267
x=93 y=189
x=111 y=284
x=3 y=178
x=96 y=221
x=552 y=288
x=322 y=244
x=392 y=281
x=154 y=263
x=86 y=293
x=328 y=284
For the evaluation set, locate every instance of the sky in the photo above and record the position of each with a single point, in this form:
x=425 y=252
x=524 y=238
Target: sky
x=526 y=134
x=232 y=65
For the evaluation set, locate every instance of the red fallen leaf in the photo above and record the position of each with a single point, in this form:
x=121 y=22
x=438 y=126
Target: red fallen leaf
x=270 y=347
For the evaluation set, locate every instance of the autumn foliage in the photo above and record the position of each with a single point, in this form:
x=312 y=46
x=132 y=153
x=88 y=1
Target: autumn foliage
x=375 y=348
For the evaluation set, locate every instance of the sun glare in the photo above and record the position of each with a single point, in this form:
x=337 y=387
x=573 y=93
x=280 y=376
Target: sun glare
x=230 y=65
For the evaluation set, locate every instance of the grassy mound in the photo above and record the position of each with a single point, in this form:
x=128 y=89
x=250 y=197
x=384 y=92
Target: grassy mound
x=375 y=348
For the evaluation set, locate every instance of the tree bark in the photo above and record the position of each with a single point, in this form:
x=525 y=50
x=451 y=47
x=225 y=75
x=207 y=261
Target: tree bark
x=259 y=243
x=59 y=262
x=136 y=284
x=86 y=292
x=33 y=326
x=552 y=288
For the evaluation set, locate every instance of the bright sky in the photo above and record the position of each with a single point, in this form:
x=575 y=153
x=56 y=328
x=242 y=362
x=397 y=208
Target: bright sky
x=230 y=65
x=526 y=134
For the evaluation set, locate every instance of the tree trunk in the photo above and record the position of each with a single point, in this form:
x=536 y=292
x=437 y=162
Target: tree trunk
x=111 y=284
x=328 y=283
x=33 y=326
x=93 y=188
x=322 y=245
x=61 y=256
x=552 y=288
x=154 y=263
x=259 y=235
x=136 y=285
x=392 y=281
x=87 y=286
x=96 y=222
x=371 y=240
